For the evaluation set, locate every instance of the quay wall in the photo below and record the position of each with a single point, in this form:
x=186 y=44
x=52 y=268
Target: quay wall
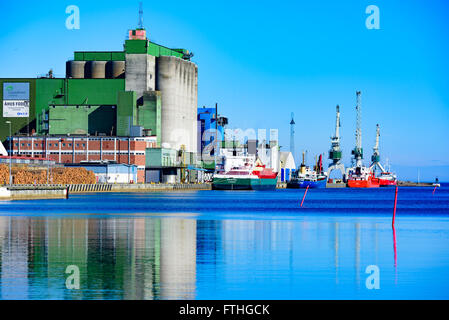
x=30 y=193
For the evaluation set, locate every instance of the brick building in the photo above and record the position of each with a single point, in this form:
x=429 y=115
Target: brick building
x=77 y=149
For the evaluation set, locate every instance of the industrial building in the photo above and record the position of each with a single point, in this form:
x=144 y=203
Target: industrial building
x=77 y=149
x=112 y=105
x=109 y=172
x=210 y=127
x=287 y=166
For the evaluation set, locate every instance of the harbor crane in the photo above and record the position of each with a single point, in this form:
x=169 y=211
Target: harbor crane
x=375 y=158
x=335 y=151
x=358 y=150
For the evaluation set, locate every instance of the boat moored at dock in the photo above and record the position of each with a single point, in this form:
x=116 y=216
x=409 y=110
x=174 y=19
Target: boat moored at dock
x=250 y=175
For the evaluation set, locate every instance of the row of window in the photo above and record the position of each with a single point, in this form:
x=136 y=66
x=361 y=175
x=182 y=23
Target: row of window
x=50 y=144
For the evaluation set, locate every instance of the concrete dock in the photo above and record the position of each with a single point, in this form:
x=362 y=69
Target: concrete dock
x=415 y=184
x=135 y=187
x=33 y=192
x=24 y=192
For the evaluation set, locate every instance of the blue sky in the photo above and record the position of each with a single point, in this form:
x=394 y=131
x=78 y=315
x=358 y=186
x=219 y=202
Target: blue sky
x=262 y=60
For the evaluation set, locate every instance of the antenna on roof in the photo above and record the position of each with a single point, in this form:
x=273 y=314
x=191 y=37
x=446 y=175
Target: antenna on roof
x=140 y=15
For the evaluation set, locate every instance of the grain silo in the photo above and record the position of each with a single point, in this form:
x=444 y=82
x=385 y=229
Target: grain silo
x=177 y=79
x=97 y=69
x=115 y=69
x=75 y=69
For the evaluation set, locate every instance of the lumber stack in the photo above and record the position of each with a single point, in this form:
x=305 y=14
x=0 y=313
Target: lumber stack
x=4 y=174
x=26 y=175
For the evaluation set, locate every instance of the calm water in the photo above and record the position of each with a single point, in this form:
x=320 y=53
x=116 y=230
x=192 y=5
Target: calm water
x=228 y=245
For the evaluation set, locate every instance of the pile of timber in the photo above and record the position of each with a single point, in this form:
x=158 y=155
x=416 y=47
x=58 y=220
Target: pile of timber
x=25 y=175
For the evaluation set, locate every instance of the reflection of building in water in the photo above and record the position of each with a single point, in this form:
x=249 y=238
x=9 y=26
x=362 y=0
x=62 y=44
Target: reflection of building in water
x=66 y=245
x=209 y=247
x=14 y=258
x=178 y=258
x=117 y=258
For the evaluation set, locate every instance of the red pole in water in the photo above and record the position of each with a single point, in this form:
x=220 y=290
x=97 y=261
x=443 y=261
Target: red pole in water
x=395 y=202
x=434 y=190
x=304 y=195
x=395 y=257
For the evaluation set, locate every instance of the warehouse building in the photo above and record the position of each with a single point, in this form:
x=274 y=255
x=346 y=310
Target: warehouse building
x=109 y=172
x=110 y=100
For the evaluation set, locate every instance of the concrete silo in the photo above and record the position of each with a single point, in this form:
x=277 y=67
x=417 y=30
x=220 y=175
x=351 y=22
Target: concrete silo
x=97 y=69
x=117 y=69
x=177 y=79
x=75 y=69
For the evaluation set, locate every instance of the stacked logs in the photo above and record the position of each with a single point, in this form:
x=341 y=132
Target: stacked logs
x=29 y=177
x=73 y=176
x=57 y=176
x=4 y=174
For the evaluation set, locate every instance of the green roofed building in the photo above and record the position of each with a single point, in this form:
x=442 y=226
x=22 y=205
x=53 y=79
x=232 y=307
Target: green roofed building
x=145 y=90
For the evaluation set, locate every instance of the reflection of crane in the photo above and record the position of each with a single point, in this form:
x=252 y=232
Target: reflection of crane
x=335 y=151
x=358 y=150
x=375 y=158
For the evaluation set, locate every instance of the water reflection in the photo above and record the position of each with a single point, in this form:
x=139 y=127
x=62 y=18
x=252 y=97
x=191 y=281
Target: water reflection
x=186 y=258
x=117 y=258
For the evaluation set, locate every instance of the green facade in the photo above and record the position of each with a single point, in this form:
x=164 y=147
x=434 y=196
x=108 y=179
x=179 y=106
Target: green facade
x=91 y=120
x=126 y=112
x=147 y=47
x=94 y=91
x=47 y=92
x=160 y=157
x=149 y=114
x=99 y=56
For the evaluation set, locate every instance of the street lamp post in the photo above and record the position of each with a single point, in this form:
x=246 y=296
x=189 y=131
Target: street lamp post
x=10 y=151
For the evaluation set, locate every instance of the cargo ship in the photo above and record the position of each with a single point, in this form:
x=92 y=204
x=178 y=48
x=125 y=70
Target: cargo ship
x=362 y=177
x=246 y=177
x=306 y=177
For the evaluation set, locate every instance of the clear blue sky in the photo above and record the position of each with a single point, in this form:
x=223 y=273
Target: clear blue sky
x=262 y=60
